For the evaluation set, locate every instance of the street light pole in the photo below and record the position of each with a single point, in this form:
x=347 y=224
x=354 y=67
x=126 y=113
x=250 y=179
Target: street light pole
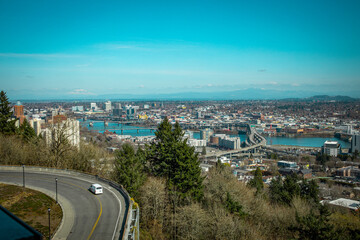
x=23 y=175
x=49 y=223
x=56 y=180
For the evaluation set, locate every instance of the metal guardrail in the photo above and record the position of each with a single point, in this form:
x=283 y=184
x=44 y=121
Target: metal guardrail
x=130 y=224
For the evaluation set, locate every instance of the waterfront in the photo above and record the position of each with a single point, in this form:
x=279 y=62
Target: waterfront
x=120 y=129
x=304 y=141
x=140 y=131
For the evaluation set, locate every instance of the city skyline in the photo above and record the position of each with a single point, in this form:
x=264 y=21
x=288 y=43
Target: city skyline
x=87 y=49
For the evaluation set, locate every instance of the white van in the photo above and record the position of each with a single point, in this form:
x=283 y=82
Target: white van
x=96 y=188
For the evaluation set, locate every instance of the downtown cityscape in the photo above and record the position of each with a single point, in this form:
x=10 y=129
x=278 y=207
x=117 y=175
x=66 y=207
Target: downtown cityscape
x=180 y=120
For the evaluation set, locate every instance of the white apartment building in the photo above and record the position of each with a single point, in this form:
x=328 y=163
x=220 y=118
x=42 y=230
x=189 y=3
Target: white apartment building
x=107 y=106
x=196 y=142
x=36 y=124
x=93 y=107
x=331 y=148
x=69 y=129
x=230 y=142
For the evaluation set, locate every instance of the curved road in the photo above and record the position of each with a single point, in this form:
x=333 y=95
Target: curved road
x=86 y=216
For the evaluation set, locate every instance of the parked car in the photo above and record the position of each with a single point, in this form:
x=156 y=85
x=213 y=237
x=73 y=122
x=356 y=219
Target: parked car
x=96 y=188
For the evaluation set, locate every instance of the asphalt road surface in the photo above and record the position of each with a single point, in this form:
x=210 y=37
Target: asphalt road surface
x=94 y=216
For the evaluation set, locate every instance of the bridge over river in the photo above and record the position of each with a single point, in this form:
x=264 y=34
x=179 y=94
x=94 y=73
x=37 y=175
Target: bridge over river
x=253 y=142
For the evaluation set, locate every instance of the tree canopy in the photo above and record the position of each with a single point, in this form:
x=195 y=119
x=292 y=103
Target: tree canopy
x=257 y=181
x=170 y=157
x=7 y=125
x=129 y=168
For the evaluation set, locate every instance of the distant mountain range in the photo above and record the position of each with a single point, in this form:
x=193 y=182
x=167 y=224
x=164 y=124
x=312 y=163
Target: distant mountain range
x=245 y=94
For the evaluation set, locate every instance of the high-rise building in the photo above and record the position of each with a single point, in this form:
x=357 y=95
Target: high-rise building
x=117 y=106
x=93 y=107
x=331 y=148
x=355 y=143
x=107 y=106
x=68 y=129
x=19 y=112
x=206 y=133
x=230 y=142
x=36 y=125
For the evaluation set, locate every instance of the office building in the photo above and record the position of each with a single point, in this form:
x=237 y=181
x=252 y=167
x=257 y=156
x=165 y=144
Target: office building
x=206 y=133
x=36 y=124
x=93 y=107
x=230 y=142
x=77 y=108
x=355 y=143
x=331 y=148
x=287 y=164
x=107 y=106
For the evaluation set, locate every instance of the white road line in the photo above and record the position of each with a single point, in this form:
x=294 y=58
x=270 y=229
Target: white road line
x=117 y=221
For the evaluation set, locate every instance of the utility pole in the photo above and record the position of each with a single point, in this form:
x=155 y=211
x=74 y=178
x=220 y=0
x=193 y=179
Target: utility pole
x=49 y=223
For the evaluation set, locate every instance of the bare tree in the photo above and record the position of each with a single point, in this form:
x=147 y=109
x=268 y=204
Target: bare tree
x=61 y=139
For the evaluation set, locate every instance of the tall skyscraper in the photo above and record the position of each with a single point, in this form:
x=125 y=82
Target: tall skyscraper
x=107 y=106
x=93 y=107
x=355 y=143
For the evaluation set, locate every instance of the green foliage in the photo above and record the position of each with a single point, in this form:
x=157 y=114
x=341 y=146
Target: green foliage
x=26 y=131
x=322 y=158
x=343 y=157
x=284 y=191
x=129 y=169
x=257 y=181
x=203 y=152
x=233 y=206
x=315 y=226
x=172 y=158
x=7 y=126
x=309 y=190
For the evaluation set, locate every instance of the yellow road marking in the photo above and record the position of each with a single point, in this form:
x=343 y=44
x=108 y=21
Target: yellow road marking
x=98 y=218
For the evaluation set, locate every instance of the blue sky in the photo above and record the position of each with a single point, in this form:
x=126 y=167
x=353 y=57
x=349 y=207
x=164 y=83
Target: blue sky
x=56 y=49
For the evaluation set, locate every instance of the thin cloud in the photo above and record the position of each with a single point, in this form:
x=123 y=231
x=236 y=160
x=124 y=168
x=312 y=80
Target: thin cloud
x=273 y=83
x=81 y=92
x=262 y=70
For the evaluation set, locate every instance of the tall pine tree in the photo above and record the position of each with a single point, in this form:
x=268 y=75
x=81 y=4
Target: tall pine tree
x=171 y=158
x=257 y=181
x=7 y=125
x=129 y=168
x=26 y=131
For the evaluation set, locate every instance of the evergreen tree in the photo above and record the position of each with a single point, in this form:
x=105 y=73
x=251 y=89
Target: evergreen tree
x=291 y=188
x=310 y=190
x=7 y=126
x=26 y=131
x=315 y=226
x=203 y=152
x=257 y=181
x=172 y=158
x=129 y=169
x=276 y=190
x=322 y=158
x=233 y=206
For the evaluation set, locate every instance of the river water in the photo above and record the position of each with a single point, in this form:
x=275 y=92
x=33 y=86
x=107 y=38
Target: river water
x=140 y=131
